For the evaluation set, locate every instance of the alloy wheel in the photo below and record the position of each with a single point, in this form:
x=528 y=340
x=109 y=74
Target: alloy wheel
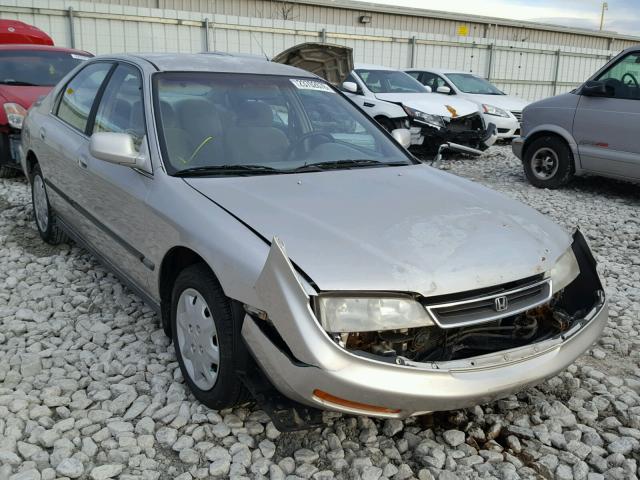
x=545 y=163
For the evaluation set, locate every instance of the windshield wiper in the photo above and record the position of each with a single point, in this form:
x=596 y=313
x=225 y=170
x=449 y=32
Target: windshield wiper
x=337 y=164
x=19 y=83
x=226 y=170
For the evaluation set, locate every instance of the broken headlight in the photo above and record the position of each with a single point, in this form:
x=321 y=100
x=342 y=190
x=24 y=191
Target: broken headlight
x=564 y=271
x=365 y=313
x=432 y=120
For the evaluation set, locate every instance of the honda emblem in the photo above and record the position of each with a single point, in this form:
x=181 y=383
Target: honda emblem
x=501 y=303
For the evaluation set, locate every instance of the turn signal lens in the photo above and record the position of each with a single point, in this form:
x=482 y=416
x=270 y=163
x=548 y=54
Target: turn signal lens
x=328 y=398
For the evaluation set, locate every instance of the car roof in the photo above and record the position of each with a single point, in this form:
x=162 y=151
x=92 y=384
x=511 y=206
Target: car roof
x=441 y=71
x=215 y=62
x=366 y=66
x=14 y=47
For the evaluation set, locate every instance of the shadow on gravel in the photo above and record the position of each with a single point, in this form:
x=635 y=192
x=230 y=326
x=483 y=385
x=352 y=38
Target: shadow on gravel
x=607 y=186
x=29 y=239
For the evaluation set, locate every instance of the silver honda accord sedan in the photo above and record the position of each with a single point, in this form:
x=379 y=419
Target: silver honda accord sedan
x=294 y=250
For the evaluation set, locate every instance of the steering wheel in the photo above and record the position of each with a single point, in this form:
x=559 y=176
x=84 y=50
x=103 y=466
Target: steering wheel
x=307 y=142
x=633 y=79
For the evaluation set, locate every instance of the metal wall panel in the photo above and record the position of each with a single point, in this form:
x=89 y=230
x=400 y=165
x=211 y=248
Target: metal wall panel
x=526 y=62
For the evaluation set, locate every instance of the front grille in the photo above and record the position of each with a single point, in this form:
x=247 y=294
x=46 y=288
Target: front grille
x=485 y=308
x=518 y=115
x=466 y=123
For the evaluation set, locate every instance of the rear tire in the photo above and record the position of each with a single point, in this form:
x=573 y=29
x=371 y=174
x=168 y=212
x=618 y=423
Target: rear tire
x=548 y=162
x=45 y=217
x=8 y=172
x=204 y=338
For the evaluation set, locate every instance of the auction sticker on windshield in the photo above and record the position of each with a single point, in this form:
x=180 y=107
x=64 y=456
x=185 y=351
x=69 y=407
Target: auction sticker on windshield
x=311 y=85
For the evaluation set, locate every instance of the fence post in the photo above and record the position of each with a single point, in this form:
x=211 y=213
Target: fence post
x=323 y=35
x=72 y=32
x=556 y=73
x=412 y=46
x=490 y=66
x=206 y=34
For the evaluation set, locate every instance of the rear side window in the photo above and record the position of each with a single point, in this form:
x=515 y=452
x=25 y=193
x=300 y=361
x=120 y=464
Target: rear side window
x=121 y=108
x=624 y=77
x=79 y=94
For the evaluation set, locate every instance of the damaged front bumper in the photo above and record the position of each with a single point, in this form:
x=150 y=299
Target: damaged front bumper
x=470 y=131
x=306 y=364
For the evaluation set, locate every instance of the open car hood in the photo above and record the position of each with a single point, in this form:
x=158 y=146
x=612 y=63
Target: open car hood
x=331 y=62
x=406 y=229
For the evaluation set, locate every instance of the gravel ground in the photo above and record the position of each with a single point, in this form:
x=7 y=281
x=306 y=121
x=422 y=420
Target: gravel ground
x=90 y=387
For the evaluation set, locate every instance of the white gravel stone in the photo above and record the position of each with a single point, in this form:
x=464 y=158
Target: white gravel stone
x=70 y=467
x=104 y=472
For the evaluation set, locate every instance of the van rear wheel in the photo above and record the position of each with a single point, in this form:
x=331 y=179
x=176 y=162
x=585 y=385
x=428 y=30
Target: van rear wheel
x=548 y=163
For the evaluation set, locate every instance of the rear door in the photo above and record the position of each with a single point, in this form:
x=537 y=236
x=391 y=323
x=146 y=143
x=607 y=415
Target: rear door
x=606 y=128
x=64 y=135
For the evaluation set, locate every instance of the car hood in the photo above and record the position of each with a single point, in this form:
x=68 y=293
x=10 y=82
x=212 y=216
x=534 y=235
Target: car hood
x=406 y=229
x=506 y=102
x=432 y=103
x=21 y=95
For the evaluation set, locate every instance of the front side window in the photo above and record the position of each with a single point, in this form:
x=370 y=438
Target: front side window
x=36 y=68
x=79 y=94
x=469 y=83
x=121 y=108
x=277 y=124
x=623 y=78
x=434 y=81
x=389 y=81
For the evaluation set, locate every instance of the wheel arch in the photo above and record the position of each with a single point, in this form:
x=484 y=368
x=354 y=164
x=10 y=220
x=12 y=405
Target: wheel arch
x=31 y=160
x=175 y=261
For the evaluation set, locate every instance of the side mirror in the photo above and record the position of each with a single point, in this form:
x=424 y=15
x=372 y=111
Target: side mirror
x=428 y=88
x=596 y=89
x=351 y=87
x=402 y=136
x=443 y=89
x=116 y=148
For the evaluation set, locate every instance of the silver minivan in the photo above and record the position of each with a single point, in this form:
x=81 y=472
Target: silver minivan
x=591 y=130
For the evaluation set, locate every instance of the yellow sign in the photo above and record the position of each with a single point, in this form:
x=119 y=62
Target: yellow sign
x=463 y=30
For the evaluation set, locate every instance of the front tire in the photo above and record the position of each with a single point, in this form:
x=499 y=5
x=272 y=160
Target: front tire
x=203 y=335
x=45 y=217
x=548 y=162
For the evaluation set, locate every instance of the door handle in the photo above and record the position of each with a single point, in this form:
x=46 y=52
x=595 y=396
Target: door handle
x=43 y=133
x=82 y=161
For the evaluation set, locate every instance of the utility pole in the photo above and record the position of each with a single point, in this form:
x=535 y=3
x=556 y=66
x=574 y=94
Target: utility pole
x=605 y=7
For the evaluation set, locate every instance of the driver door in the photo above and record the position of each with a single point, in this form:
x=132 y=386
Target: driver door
x=606 y=128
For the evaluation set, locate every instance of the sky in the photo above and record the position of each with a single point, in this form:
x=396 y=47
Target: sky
x=623 y=16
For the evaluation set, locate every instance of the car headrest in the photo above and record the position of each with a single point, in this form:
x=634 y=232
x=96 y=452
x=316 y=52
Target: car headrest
x=257 y=114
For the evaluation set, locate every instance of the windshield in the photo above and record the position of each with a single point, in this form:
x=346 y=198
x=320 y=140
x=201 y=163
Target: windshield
x=468 y=83
x=390 y=81
x=262 y=124
x=36 y=68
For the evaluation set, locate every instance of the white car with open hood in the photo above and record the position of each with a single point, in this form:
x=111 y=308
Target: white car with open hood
x=505 y=111
x=395 y=99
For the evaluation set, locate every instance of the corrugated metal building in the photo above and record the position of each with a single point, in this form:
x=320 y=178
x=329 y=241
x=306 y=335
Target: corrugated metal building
x=523 y=58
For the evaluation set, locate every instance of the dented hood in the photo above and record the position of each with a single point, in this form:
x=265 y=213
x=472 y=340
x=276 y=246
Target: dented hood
x=432 y=103
x=407 y=229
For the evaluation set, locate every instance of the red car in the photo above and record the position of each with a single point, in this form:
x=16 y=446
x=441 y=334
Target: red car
x=27 y=72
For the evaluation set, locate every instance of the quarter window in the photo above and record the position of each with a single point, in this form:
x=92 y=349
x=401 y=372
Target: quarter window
x=79 y=94
x=624 y=78
x=121 y=108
